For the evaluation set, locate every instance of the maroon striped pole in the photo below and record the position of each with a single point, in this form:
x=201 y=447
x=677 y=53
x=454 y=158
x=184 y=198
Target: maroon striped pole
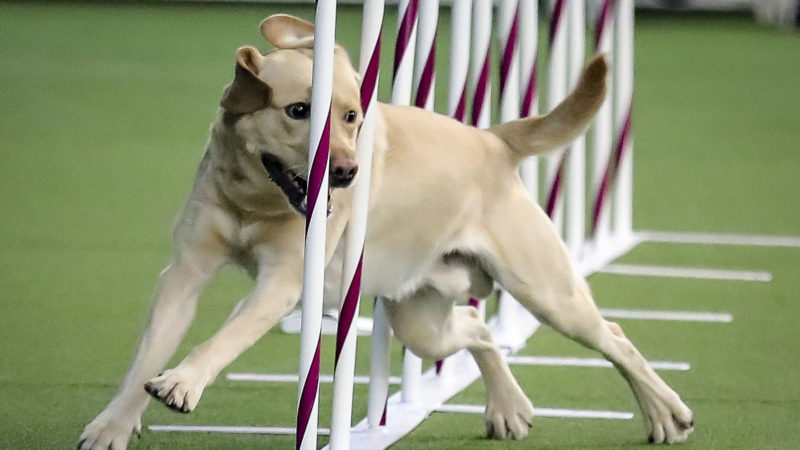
x=556 y=91
x=379 y=365
x=404 y=52
x=623 y=82
x=316 y=216
x=354 y=237
x=602 y=131
x=529 y=103
x=408 y=14
x=481 y=53
x=508 y=19
x=460 y=21
x=424 y=67
x=575 y=189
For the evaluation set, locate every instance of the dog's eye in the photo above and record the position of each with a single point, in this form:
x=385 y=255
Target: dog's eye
x=350 y=116
x=298 y=111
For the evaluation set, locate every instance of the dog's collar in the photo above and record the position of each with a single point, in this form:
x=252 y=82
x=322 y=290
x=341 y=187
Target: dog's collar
x=294 y=187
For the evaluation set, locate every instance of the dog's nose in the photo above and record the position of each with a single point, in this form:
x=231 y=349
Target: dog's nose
x=342 y=172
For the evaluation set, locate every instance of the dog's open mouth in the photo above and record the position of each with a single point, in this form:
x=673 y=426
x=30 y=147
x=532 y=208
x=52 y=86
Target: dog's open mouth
x=294 y=187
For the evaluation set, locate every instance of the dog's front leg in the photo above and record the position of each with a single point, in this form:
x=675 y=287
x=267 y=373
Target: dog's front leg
x=275 y=294
x=171 y=314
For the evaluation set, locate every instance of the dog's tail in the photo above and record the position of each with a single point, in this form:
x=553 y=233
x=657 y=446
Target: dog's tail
x=567 y=121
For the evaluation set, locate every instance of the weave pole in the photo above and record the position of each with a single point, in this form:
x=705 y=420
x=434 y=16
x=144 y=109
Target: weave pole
x=378 y=393
x=355 y=235
x=424 y=65
x=556 y=91
x=602 y=131
x=460 y=18
x=316 y=216
x=407 y=12
x=425 y=72
x=508 y=18
x=401 y=95
x=528 y=15
x=480 y=65
x=460 y=21
x=623 y=85
x=575 y=224
x=509 y=109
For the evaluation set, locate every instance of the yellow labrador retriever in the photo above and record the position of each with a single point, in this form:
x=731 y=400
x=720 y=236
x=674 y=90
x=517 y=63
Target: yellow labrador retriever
x=448 y=218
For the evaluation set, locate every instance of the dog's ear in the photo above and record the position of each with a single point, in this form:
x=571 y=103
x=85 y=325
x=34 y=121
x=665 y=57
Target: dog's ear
x=247 y=93
x=285 y=31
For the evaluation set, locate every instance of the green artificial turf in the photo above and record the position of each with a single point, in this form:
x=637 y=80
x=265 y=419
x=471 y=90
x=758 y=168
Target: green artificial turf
x=105 y=110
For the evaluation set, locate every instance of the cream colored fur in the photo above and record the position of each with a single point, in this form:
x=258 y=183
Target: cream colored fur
x=448 y=218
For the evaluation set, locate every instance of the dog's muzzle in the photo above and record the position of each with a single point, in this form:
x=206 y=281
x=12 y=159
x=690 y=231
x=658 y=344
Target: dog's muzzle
x=294 y=187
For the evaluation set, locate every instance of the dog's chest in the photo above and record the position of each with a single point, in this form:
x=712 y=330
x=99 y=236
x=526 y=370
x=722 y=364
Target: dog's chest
x=244 y=257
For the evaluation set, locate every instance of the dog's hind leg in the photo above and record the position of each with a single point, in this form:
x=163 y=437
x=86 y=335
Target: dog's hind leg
x=432 y=327
x=530 y=261
x=171 y=314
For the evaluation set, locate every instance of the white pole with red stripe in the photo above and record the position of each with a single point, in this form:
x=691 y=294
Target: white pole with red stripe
x=480 y=65
x=378 y=392
x=425 y=56
x=623 y=84
x=316 y=216
x=401 y=95
x=508 y=19
x=602 y=134
x=424 y=83
x=575 y=223
x=354 y=236
x=460 y=22
x=508 y=31
x=480 y=72
x=404 y=51
x=529 y=98
x=556 y=91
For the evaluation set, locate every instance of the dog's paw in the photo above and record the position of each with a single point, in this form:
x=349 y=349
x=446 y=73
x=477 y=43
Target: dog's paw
x=179 y=390
x=508 y=415
x=668 y=420
x=111 y=429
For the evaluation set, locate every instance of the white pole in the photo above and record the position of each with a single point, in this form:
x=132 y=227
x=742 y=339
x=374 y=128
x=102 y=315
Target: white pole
x=460 y=21
x=344 y=371
x=508 y=33
x=424 y=64
x=556 y=91
x=602 y=134
x=401 y=95
x=316 y=216
x=623 y=84
x=379 y=366
x=404 y=51
x=480 y=68
x=528 y=42
x=575 y=232
x=509 y=62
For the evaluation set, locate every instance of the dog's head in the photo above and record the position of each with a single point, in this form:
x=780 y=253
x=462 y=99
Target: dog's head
x=269 y=102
